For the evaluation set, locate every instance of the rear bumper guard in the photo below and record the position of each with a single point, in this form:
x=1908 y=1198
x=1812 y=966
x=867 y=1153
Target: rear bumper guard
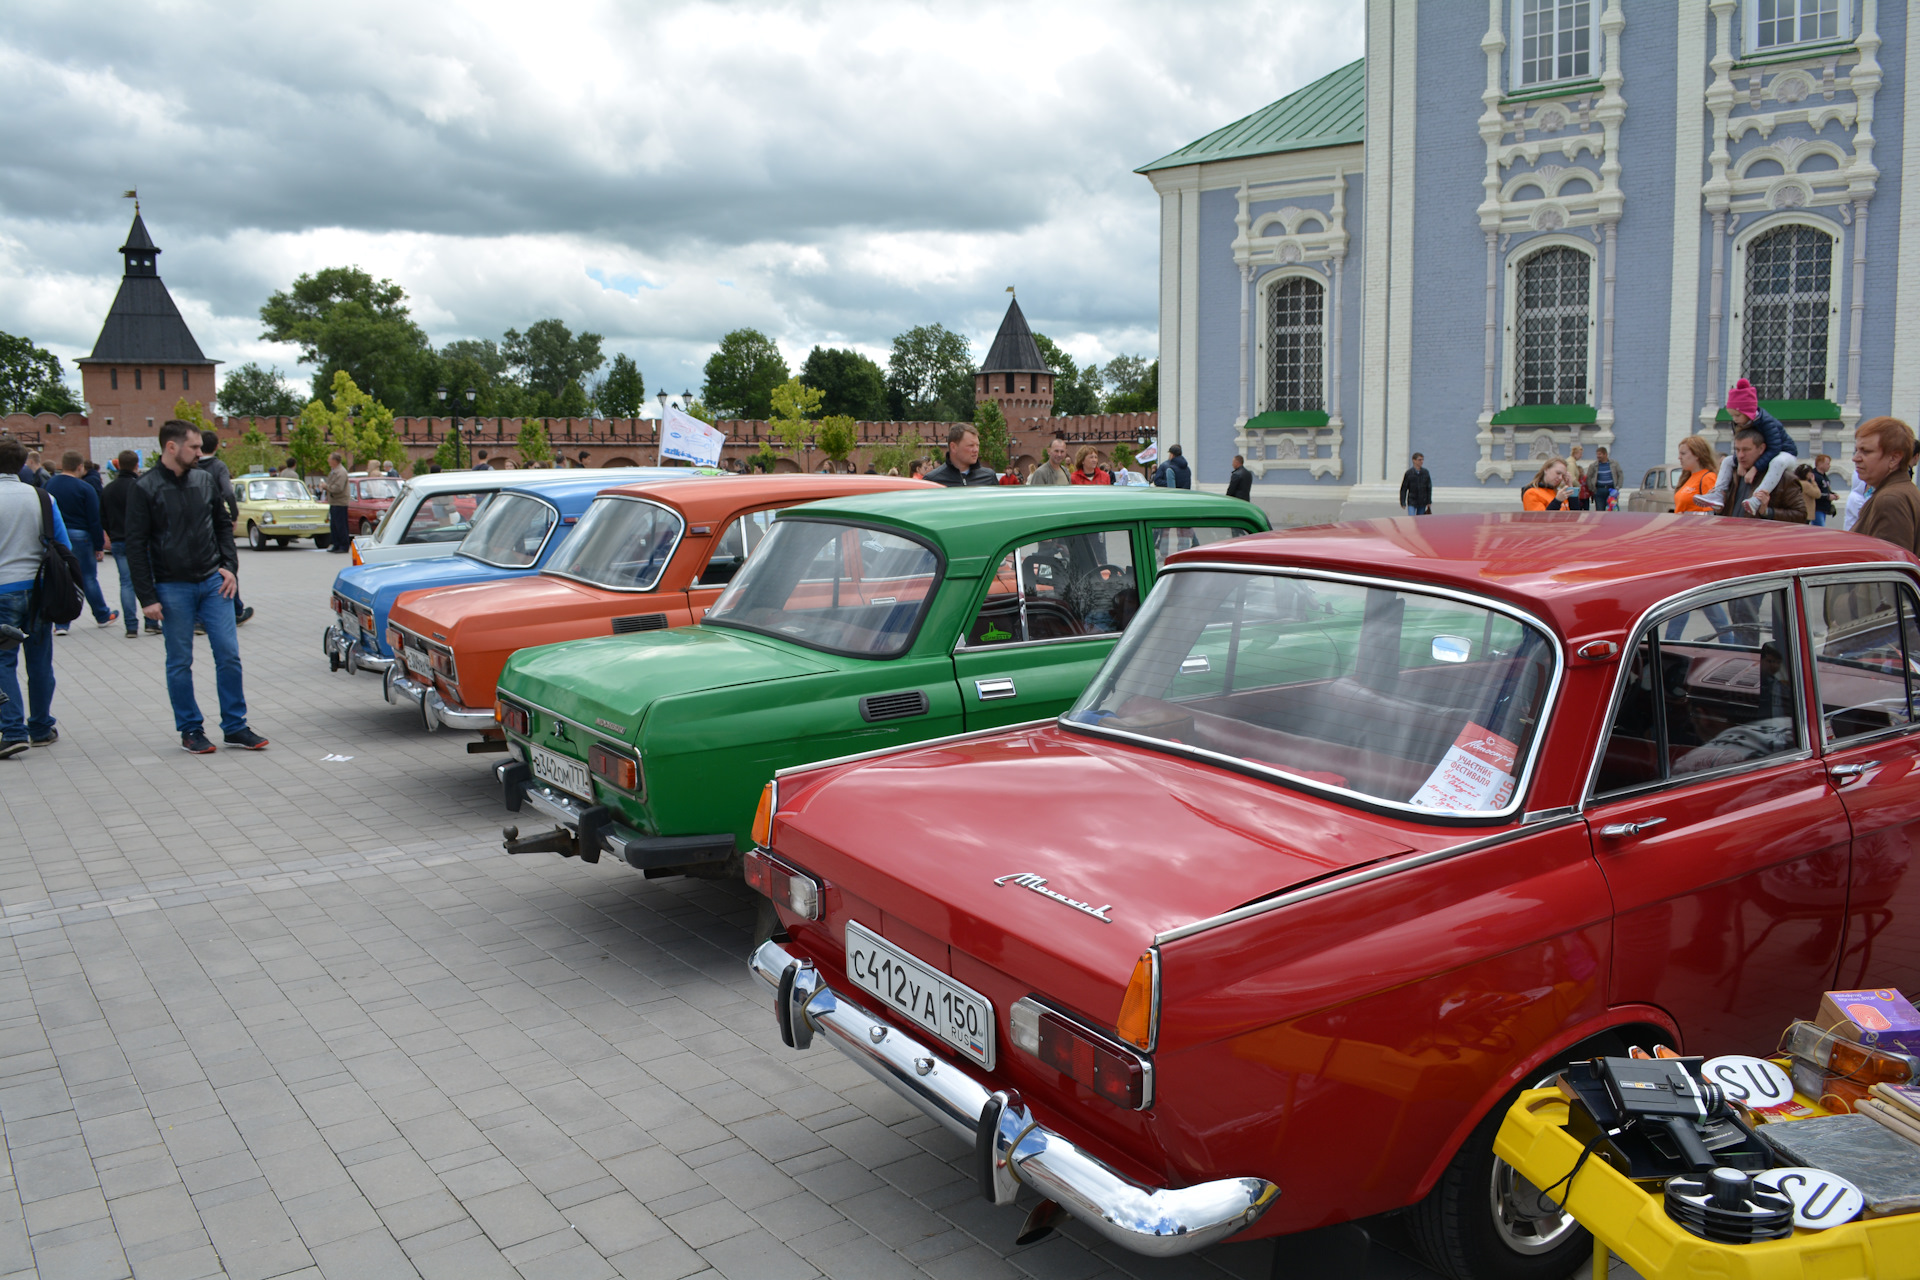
x=1011 y=1148
x=345 y=653
x=595 y=832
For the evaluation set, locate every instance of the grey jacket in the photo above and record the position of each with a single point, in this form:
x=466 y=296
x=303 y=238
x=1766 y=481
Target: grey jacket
x=1047 y=473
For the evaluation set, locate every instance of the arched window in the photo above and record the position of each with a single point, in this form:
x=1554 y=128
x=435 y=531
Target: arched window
x=1554 y=291
x=1783 y=347
x=1296 y=337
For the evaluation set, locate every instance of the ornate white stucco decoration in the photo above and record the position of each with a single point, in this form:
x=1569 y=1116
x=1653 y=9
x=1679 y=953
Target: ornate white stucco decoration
x=1551 y=218
x=1789 y=195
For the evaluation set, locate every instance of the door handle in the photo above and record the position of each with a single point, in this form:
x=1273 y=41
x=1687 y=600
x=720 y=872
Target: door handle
x=998 y=687
x=1621 y=830
x=1848 y=772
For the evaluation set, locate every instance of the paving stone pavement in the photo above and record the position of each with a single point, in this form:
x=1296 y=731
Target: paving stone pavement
x=275 y=1014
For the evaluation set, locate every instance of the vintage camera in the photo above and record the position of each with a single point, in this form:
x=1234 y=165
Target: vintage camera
x=1652 y=1118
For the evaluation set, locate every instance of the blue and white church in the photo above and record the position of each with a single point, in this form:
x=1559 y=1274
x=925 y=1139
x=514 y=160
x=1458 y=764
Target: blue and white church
x=1520 y=225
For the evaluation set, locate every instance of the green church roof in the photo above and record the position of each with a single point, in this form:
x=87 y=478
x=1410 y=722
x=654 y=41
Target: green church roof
x=1327 y=113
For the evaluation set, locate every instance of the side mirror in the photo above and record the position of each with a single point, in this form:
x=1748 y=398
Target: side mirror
x=1452 y=648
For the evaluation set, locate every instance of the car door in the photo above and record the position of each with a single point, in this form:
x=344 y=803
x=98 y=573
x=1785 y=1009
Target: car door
x=1049 y=612
x=1865 y=635
x=729 y=553
x=1723 y=844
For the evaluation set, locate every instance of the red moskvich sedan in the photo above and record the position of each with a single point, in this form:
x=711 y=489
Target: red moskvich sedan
x=1360 y=830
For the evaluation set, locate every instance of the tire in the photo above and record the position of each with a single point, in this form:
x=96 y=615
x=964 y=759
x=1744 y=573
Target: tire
x=282 y=543
x=366 y=526
x=1483 y=1221
x=256 y=539
x=322 y=542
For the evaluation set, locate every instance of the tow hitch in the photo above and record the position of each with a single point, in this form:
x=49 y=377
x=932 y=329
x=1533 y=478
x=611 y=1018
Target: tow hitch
x=559 y=840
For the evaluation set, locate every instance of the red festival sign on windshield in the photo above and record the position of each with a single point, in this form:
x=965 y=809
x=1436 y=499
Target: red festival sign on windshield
x=1475 y=776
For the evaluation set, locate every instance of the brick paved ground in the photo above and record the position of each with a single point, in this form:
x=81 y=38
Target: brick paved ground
x=271 y=1015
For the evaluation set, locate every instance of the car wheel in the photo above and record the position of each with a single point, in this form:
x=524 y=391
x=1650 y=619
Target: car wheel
x=255 y=538
x=322 y=542
x=1483 y=1221
x=282 y=542
x=366 y=526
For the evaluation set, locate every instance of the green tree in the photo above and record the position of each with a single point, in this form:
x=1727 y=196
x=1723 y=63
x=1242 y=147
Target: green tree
x=531 y=444
x=849 y=383
x=741 y=375
x=342 y=319
x=484 y=353
x=1135 y=383
x=251 y=450
x=452 y=454
x=1123 y=454
x=357 y=424
x=54 y=397
x=623 y=390
x=795 y=405
x=992 y=426
x=307 y=444
x=898 y=454
x=253 y=392
x=930 y=375
x=1075 y=390
x=26 y=371
x=549 y=355
x=836 y=435
x=192 y=411
x=571 y=402
x=700 y=411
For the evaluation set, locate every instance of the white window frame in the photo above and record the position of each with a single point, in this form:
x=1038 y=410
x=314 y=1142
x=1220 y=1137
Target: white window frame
x=1269 y=281
x=1750 y=30
x=1511 y=342
x=1737 y=304
x=1516 y=82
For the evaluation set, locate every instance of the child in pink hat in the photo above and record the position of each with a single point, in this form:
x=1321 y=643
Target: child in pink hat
x=1743 y=406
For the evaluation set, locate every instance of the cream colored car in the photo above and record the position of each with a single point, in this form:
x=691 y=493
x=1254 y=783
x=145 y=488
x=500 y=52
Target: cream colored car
x=277 y=509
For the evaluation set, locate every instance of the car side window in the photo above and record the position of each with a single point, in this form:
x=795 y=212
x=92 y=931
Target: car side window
x=731 y=549
x=1866 y=636
x=1171 y=538
x=1706 y=688
x=445 y=517
x=1057 y=588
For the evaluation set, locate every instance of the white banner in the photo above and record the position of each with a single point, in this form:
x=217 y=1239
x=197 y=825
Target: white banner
x=688 y=439
x=1149 y=454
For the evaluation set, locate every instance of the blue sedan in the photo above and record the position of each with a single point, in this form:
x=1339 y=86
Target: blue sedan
x=514 y=532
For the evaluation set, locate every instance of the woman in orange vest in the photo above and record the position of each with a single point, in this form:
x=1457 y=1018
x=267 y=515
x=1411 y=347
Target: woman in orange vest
x=1549 y=490
x=1702 y=465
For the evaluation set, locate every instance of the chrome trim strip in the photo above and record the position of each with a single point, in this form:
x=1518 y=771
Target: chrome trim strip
x=406 y=687
x=454 y=717
x=534 y=563
x=562 y=809
x=913 y=746
x=1366 y=875
x=1440 y=817
x=672 y=551
x=1158 y=1222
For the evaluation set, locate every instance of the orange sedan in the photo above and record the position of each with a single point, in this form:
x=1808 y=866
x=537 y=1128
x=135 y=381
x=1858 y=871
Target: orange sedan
x=645 y=557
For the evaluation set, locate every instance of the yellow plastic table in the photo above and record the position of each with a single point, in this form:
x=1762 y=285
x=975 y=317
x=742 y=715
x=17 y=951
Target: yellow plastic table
x=1633 y=1223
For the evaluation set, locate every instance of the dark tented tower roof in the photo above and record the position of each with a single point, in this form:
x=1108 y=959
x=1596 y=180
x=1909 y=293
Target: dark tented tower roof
x=144 y=326
x=1014 y=350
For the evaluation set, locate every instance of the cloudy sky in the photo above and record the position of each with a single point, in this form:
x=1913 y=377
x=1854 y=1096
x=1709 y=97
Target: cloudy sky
x=660 y=173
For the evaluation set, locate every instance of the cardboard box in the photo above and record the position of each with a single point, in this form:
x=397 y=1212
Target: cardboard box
x=1879 y=1017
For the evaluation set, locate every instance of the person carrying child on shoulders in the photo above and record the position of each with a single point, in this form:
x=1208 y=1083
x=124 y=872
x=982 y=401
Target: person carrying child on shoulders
x=1743 y=406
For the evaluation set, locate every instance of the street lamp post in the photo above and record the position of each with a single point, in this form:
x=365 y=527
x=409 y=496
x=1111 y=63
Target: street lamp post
x=453 y=427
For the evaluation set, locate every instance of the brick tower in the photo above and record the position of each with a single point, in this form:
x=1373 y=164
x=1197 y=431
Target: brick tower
x=1013 y=374
x=145 y=359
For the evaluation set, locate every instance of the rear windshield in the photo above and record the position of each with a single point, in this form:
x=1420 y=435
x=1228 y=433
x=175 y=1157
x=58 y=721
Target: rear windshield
x=620 y=543
x=511 y=531
x=1413 y=699
x=277 y=491
x=847 y=589
x=442 y=517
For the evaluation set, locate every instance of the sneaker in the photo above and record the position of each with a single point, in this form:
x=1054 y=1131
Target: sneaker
x=195 y=740
x=59 y=631
x=199 y=630
x=133 y=633
x=153 y=629
x=53 y=736
x=240 y=618
x=109 y=620
x=1709 y=500
x=8 y=750
x=246 y=740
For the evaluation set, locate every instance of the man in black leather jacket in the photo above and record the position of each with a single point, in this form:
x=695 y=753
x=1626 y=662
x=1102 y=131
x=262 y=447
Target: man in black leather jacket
x=962 y=466
x=180 y=548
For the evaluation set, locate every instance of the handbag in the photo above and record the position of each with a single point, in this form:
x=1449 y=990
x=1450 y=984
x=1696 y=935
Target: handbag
x=56 y=587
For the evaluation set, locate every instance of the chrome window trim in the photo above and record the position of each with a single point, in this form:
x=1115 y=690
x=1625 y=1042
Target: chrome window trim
x=538 y=551
x=1888 y=573
x=961 y=646
x=1523 y=780
x=672 y=551
x=1321 y=888
x=1660 y=611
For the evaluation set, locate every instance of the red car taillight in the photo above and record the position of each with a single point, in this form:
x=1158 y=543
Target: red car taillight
x=442 y=662
x=622 y=771
x=515 y=718
x=788 y=886
x=1109 y=1069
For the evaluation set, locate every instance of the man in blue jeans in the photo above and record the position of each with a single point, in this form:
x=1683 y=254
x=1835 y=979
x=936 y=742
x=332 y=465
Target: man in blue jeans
x=80 y=510
x=21 y=527
x=113 y=521
x=180 y=548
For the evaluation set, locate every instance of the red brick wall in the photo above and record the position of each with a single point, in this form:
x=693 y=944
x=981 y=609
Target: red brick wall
x=127 y=410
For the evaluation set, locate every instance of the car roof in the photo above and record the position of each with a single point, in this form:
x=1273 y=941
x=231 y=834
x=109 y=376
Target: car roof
x=1584 y=573
x=702 y=501
x=984 y=518
x=440 y=482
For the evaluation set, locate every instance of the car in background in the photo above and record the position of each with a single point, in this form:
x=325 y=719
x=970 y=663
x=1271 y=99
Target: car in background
x=434 y=512
x=644 y=557
x=277 y=510
x=1362 y=830
x=518 y=528
x=368 y=497
x=859 y=623
x=1656 y=491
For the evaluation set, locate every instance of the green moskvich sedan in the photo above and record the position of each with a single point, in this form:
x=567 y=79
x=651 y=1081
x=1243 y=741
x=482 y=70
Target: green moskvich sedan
x=858 y=624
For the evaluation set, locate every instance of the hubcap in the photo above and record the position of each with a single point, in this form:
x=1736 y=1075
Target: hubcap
x=1524 y=1219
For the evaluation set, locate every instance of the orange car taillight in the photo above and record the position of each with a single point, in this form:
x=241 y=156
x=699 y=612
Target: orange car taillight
x=395 y=641
x=518 y=719
x=442 y=662
x=622 y=771
x=788 y=886
x=1109 y=1069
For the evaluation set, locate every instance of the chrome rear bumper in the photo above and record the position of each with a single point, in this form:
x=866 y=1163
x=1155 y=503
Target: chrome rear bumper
x=1011 y=1149
x=436 y=712
x=344 y=652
